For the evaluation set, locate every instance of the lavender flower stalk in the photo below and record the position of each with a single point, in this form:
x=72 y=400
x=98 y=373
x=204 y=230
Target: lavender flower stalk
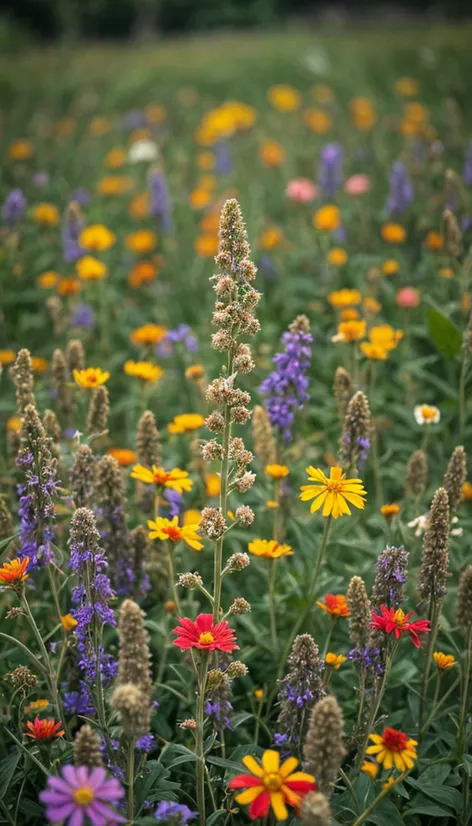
x=72 y=226
x=299 y=690
x=331 y=169
x=14 y=208
x=159 y=201
x=401 y=190
x=113 y=523
x=286 y=387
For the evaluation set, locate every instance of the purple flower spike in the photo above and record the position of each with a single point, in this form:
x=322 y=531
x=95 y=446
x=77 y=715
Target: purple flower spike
x=331 y=169
x=14 y=207
x=401 y=190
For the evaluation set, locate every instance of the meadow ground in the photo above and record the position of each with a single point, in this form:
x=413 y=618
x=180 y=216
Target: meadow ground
x=125 y=483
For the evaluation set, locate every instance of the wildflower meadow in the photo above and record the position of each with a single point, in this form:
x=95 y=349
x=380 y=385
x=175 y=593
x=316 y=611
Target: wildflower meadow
x=235 y=320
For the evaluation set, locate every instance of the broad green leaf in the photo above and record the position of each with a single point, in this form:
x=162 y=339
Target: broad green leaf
x=7 y=770
x=446 y=337
x=216 y=816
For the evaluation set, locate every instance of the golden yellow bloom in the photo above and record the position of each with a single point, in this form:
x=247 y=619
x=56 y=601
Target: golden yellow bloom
x=284 y=98
x=444 y=661
x=276 y=471
x=20 y=150
x=186 y=423
x=115 y=184
x=97 y=237
x=148 y=335
x=408 y=87
x=191 y=517
x=40 y=365
x=349 y=315
x=116 y=157
x=269 y=549
x=327 y=218
x=69 y=286
x=385 y=336
x=390 y=267
x=99 y=126
x=144 y=370
x=13 y=424
x=213 y=484
x=362 y=113
x=141 y=242
x=349 y=331
x=371 y=769
x=47 y=280
x=318 y=120
x=393 y=233
x=447 y=273
x=195 y=372
x=272 y=505
x=344 y=298
x=37 y=705
x=7 y=357
x=90 y=269
x=375 y=352
x=333 y=493
x=335 y=660
x=371 y=305
x=271 y=238
x=68 y=622
x=46 y=214
x=389 y=511
x=337 y=257
x=165 y=529
x=206 y=245
x=271 y=153
x=393 y=748
x=259 y=693
x=434 y=241
x=91 y=377
x=143 y=272
x=123 y=455
x=174 y=479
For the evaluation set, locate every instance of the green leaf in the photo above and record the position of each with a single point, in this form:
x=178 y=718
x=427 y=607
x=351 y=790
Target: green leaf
x=386 y=814
x=467 y=759
x=230 y=765
x=420 y=805
x=215 y=817
x=7 y=770
x=446 y=337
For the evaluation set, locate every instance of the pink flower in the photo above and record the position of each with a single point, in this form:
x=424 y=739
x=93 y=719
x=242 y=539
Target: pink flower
x=301 y=190
x=204 y=634
x=408 y=298
x=357 y=184
x=82 y=792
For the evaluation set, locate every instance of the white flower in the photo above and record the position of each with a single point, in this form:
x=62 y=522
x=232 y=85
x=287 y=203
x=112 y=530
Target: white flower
x=420 y=523
x=456 y=531
x=143 y=151
x=317 y=61
x=427 y=414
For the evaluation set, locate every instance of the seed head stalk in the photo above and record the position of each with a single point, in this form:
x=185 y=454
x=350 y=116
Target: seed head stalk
x=223 y=501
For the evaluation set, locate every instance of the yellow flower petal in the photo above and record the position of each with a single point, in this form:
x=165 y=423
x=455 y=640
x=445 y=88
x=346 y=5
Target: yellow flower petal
x=270 y=761
x=288 y=766
x=249 y=795
x=279 y=808
x=253 y=766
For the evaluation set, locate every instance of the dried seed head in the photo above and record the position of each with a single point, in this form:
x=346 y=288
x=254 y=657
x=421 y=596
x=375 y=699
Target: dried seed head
x=60 y=380
x=133 y=671
x=215 y=422
x=212 y=450
x=454 y=477
x=236 y=669
x=240 y=606
x=130 y=703
x=452 y=234
x=87 y=745
x=315 y=810
x=147 y=441
x=212 y=523
x=245 y=515
x=82 y=477
x=22 y=375
x=342 y=389
x=300 y=689
x=237 y=562
x=324 y=749
x=98 y=411
x=435 y=557
x=190 y=580
x=360 y=610
x=22 y=677
x=245 y=482
x=75 y=356
x=416 y=474
x=464 y=601
x=264 y=444
x=355 y=440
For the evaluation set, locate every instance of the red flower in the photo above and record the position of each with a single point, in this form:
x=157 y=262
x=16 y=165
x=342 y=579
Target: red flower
x=396 y=622
x=204 y=634
x=44 y=729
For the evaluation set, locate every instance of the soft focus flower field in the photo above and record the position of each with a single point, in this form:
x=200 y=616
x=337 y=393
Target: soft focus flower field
x=235 y=412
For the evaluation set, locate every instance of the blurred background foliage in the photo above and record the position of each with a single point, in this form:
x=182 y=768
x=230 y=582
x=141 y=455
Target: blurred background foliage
x=23 y=21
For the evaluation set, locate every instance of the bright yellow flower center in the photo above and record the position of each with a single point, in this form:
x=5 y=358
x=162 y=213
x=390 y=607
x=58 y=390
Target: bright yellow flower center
x=273 y=781
x=428 y=413
x=399 y=617
x=206 y=638
x=84 y=796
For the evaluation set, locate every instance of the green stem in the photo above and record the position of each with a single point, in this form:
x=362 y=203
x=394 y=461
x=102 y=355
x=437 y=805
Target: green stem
x=30 y=654
x=440 y=703
x=374 y=710
x=377 y=800
x=464 y=693
x=328 y=637
x=376 y=469
x=27 y=753
x=434 y=613
x=273 y=622
x=170 y=567
x=130 y=807
x=6 y=813
x=462 y=383
x=200 y=720
x=360 y=710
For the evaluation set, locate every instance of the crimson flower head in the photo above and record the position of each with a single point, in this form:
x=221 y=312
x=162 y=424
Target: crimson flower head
x=204 y=634
x=44 y=729
x=396 y=622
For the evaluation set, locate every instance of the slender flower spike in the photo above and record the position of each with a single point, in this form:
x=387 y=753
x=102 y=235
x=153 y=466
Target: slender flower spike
x=336 y=605
x=14 y=572
x=393 y=748
x=204 y=634
x=174 y=479
x=333 y=493
x=91 y=377
x=166 y=529
x=272 y=785
x=270 y=549
x=444 y=661
x=82 y=792
x=396 y=622
x=43 y=729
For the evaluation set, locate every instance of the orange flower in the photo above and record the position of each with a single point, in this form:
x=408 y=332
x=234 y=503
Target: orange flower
x=350 y=331
x=115 y=158
x=444 y=661
x=276 y=471
x=199 y=198
x=7 y=356
x=434 y=241
x=186 y=423
x=141 y=242
x=142 y=273
x=213 y=484
x=47 y=280
x=144 y=370
x=270 y=549
x=44 y=729
x=206 y=245
x=371 y=305
x=337 y=257
x=13 y=423
x=344 y=298
x=375 y=352
x=362 y=113
x=335 y=660
x=138 y=207
x=68 y=286
x=20 y=150
x=390 y=267
x=123 y=455
x=91 y=377
x=407 y=87
x=40 y=365
x=195 y=372
x=271 y=153
x=210 y=222
x=467 y=492
x=99 y=126
x=389 y=511
x=271 y=785
x=327 y=218
x=393 y=233
x=115 y=184
x=11 y=573
x=206 y=161
x=174 y=479
x=318 y=121
x=336 y=605
x=46 y=214
x=148 y=335
x=68 y=622
x=164 y=529
x=271 y=238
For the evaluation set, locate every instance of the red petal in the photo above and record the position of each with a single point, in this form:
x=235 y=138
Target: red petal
x=243 y=781
x=300 y=786
x=204 y=623
x=260 y=806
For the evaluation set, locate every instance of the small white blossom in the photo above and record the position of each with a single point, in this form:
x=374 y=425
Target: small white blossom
x=427 y=414
x=143 y=151
x=420 y=523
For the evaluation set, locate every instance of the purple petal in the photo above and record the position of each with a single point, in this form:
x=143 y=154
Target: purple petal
x=58 y=813
x=59 y=784
x=70 y=773
x=111 y=790
x=77 y=818
x=97 y=777
x=56 y=798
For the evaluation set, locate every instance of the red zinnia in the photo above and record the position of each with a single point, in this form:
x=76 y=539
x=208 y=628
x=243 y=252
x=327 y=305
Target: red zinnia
x=44 y=729
x=204 y=634
x=396 y=622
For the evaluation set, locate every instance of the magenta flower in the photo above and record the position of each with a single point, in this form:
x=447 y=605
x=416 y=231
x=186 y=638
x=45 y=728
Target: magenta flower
x=81 y=793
